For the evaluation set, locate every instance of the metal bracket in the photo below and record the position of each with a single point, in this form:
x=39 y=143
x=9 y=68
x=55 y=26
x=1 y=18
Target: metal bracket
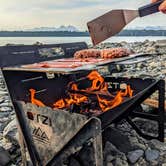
x=50 y=75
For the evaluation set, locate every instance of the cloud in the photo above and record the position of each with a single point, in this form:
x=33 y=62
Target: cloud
x=24 y=14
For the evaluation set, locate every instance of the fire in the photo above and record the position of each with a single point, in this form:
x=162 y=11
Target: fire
x=97 y=82
x=73 y=99
x=99 y=89
x=106 y=104
x=33 y=100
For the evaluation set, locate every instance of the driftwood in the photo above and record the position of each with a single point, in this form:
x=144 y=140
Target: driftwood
x=153 y=103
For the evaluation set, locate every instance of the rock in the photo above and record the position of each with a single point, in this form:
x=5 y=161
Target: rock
x=151 y=155
x=74 y=162
x=86 y=155
x=157 y=145
x=6 y=103
x=109 y=164
x=10 y=131
x=4 y=114
x=2 y=126
x=163 y=164
x=134 y=156
x=5 y=108
x=109 y=158
x=4 y=157
x=123 y=142
x=141 y=162
x=113 y=155
x=120 y=162
x=3 y=93
x=111 y=149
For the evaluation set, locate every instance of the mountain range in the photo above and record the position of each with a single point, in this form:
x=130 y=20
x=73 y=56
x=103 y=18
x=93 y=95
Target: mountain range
x=147 y=28
x=69 y=28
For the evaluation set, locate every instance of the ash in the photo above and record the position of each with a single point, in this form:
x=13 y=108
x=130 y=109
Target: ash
x=122 y=145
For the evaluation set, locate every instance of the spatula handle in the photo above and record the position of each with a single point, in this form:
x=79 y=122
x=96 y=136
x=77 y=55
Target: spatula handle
x=149 y=9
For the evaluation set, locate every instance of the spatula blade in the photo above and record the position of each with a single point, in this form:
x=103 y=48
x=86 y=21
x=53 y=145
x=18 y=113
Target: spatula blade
x=109 y=24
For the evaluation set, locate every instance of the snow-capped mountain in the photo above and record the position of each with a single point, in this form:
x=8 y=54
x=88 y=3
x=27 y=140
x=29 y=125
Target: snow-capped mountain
x=147 y=28
x=68 y=28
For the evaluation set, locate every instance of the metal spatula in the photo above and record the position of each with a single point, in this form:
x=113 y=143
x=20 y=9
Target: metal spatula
x=114 y=21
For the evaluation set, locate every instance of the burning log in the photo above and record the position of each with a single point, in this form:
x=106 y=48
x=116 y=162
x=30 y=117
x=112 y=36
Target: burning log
x=98 y=89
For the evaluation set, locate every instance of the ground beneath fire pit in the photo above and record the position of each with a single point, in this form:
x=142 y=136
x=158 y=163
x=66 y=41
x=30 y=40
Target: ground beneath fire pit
x=122 y=145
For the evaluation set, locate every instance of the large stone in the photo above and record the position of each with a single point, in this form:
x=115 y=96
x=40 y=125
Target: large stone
x=113 y=155
x=111 y=149
x=4 y=157
x=123 y=142
x=151 y=155
x=134 y=156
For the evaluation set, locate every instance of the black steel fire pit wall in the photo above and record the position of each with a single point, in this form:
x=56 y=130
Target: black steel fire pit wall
x=52 y=136
x=128 y=108
x=28 y=54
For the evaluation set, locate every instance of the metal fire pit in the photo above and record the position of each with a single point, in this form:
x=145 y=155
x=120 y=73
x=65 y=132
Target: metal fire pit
x=52 y=136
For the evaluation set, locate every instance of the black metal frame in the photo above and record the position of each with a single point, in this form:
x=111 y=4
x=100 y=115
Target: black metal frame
x=160 y=118
x=129 y=108
x=124 y=111
x=28 y=54
x=143 y=90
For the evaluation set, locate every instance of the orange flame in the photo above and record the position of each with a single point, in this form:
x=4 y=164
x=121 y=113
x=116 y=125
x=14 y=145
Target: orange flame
x=33 y=100
x=97 y=82
x=74 y=99
x=105 y=104
x=99 y=88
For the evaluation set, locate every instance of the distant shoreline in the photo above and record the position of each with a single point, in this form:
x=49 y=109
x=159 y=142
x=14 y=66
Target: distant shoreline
x=78 y=34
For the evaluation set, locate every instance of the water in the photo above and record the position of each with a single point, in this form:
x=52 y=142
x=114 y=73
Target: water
x=53 y=40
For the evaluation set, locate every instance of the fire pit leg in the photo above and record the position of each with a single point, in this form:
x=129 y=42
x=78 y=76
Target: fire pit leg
x=22 y=147
x=91 y=132
x=161 y=109
x=159 y=118
x=97 y=144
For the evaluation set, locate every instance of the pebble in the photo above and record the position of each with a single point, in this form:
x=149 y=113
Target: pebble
x=5 y=109
x=4 y=157
x=157 y=145
x=134 y=156
x=151 y=155
x=120 y=162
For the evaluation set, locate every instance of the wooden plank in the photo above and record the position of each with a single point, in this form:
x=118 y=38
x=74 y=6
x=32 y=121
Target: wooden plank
x=153 y=103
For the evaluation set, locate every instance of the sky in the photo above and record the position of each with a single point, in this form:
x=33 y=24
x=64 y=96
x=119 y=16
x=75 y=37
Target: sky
x=27 y=14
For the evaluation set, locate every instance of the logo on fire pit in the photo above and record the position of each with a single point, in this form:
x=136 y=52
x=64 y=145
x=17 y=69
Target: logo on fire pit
x=40 y=135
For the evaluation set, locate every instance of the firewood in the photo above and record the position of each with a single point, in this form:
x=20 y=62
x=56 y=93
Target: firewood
x=153 y=103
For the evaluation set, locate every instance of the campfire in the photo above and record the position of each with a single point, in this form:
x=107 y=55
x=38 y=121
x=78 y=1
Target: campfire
x=97 y=94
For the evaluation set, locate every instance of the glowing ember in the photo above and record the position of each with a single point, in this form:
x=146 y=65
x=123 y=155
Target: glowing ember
x=74 y=99
x=33 y=100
